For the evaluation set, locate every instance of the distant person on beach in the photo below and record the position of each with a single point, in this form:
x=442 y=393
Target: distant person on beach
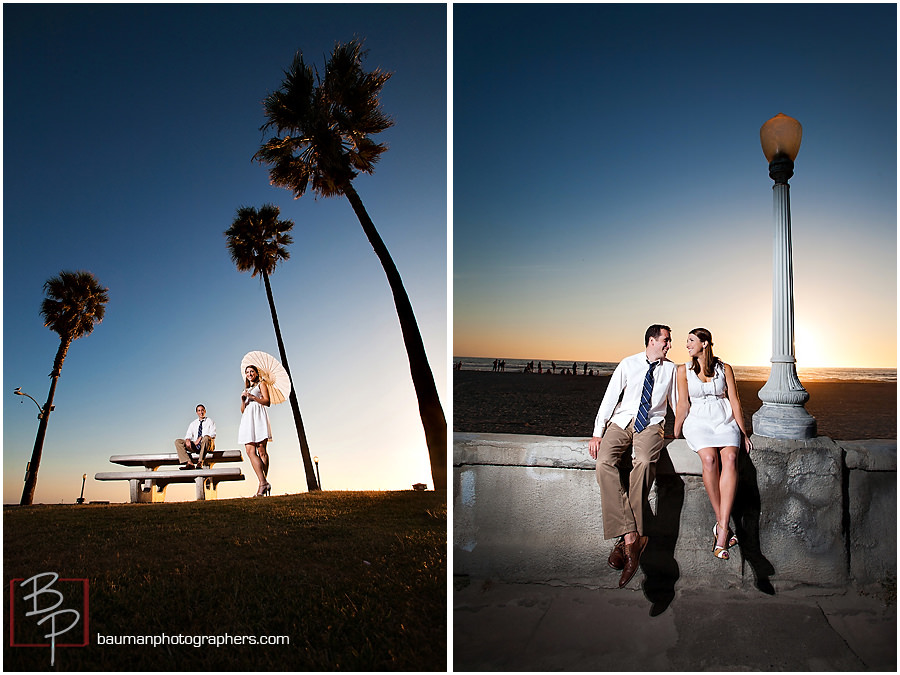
x=709 y=414
x=255 y=431
x=632 y=415
x=200 y=437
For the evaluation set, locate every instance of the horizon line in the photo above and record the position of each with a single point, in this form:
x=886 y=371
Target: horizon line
x=738 y=365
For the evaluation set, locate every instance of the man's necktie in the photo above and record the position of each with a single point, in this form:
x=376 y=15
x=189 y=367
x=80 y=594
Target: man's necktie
x=200 y=432
x=643 y=416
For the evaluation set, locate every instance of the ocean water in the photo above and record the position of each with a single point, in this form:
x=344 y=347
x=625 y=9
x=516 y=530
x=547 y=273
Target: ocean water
x=758 y=373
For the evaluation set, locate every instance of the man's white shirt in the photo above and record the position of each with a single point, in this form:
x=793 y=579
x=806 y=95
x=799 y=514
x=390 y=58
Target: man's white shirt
x=628 y=377
x=209 y=429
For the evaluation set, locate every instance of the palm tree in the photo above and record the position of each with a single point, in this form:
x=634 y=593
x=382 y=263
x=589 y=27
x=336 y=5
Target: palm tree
x=75 y=302
x=323 y=128
x=258 y=241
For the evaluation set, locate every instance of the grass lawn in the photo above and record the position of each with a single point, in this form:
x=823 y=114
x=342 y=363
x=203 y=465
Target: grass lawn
x=356 y=581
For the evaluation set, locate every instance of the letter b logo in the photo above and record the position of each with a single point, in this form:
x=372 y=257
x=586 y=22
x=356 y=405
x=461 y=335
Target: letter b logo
x=47 y=611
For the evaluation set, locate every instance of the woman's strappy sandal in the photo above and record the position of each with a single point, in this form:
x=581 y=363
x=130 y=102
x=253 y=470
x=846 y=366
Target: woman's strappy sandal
x=721 y=552
x=732 y=537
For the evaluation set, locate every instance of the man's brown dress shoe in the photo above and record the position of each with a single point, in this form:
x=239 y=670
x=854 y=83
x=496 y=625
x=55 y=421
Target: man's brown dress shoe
x=632 y=559
x=617 y=557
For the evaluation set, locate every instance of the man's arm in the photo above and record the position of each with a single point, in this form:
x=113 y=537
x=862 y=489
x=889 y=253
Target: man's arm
x=211 y=432
x=607 y=407
x=610 y=399
x=188 y=441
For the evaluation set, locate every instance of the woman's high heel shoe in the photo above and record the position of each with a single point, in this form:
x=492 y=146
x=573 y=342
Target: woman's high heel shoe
x=262 y=490
x=732 y=537
x=268 y=489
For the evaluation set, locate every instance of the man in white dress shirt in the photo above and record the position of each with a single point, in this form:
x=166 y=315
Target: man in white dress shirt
x=200 y=437
x=632 y=415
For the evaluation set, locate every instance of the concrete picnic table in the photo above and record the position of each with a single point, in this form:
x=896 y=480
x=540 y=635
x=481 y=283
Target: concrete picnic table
x=148 y=485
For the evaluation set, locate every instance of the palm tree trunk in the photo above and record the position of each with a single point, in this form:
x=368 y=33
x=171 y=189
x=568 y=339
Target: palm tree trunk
x=311 y=482
x=35 y=464
x=430 y=410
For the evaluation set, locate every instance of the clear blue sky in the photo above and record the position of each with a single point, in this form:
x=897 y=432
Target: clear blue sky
x=128 y=137
x=587 y=137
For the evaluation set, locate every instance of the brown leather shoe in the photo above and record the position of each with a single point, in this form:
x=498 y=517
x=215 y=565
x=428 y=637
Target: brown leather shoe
x=632 y=559
x=617 y=557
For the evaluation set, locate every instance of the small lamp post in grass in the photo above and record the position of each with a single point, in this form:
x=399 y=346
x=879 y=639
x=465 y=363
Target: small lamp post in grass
x=782 y=414
x=318 y=476
x=80 y=500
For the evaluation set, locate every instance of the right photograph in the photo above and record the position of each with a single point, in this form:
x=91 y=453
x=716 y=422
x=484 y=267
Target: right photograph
x=674 y=427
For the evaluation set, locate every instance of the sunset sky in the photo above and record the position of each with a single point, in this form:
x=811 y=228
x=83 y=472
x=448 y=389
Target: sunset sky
x=607 y=174
x=128 y=137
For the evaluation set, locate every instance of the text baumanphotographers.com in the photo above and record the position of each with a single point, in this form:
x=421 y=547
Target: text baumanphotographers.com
x=193 y=640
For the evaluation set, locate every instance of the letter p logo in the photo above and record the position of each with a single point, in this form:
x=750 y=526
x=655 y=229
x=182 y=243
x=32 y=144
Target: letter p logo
x=42 y=609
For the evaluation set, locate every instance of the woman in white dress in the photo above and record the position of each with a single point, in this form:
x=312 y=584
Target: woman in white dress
x=255 y=432
x=710 y=417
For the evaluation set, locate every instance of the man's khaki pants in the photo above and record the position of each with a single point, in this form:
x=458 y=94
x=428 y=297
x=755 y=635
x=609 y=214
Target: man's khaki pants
x=207 y=444
x=624 y=512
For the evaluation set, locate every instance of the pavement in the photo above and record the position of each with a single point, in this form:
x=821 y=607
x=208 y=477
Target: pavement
x=540 y=627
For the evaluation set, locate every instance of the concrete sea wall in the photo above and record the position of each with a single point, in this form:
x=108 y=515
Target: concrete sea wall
x=815 y=512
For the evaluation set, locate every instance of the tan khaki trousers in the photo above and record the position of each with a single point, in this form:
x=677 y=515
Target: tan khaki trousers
x=207 y=444
x=624 y=512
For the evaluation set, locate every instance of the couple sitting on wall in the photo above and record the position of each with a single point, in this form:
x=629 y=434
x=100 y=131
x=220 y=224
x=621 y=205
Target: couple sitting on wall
x=703 y=394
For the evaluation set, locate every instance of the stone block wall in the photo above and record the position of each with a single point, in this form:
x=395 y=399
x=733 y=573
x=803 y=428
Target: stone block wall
x=871 y=486
x=527 y=508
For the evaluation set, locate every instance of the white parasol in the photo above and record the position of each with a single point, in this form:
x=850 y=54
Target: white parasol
x=271 y=372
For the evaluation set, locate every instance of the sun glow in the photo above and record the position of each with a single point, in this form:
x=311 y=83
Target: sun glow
x=809 y=348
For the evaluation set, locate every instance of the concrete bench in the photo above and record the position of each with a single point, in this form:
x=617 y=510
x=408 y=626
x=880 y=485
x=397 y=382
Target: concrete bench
x=150 y=484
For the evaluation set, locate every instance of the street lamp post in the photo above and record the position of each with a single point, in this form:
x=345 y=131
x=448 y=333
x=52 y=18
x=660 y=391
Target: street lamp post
x=43 y=416
x=782 y=414
x=18 y=392
x=80 y=500
x=318 y=477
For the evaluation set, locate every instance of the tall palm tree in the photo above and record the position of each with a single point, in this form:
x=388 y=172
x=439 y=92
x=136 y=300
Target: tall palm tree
x=258 y=241
x=74 y=302
x=323 y=128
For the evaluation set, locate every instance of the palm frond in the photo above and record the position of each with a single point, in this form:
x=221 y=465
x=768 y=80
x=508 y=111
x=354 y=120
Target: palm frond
x=74 y=303
x=323 y=125
x=258 y=239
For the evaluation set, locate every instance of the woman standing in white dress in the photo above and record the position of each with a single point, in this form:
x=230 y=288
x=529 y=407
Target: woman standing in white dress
x=255 y=432
x=709 y=414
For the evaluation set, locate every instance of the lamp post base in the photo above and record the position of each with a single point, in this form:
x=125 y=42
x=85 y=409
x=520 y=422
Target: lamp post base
x=791 y=422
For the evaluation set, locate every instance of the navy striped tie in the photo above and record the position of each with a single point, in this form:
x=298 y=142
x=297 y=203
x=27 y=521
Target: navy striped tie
x=643 y=416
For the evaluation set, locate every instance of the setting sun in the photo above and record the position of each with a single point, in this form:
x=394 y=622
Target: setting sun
x=810 y=350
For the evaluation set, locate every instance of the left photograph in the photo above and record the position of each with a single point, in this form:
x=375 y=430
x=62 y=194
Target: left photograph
x=225 y=337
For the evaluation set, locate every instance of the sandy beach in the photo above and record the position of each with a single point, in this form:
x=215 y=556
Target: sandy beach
x=565 y=405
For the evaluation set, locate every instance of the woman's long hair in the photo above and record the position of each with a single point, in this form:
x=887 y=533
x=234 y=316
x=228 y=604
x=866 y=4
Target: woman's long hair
x=247 y=381
x=711 y=360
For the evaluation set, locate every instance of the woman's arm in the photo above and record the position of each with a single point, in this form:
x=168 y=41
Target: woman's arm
x=263 y=397
x=735 y=401
x=683 y=406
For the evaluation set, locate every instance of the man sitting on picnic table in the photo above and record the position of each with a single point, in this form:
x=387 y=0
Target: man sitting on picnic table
x=200 y=437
